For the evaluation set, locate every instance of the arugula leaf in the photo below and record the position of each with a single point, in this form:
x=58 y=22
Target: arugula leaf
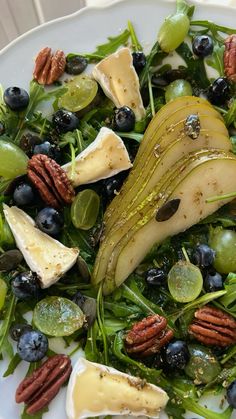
x=132 y=135
x=195 y=68
x=156 y=55
x=113 y=325
x=122 y=309
x=88 y=131
x=230 y=115
x=216 y=59
x=229 y=299
x=5 y=326
x=91 y=350
x=101 y=324
x=14 y=362
x=233 y=142
x=103 y=50
x=137 y=47
x=213 y=28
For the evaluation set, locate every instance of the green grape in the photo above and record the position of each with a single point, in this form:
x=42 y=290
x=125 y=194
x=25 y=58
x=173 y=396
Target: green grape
x=203 y=367
x=57 y=316
x=13 y=161
x=185 y=281
x=3 y=292
x=224 y=244
x=173 y=31
x=178 y=88
x=80 y=93
x=85 y=209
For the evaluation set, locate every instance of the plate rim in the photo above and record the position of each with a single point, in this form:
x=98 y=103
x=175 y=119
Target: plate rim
x=87 y=9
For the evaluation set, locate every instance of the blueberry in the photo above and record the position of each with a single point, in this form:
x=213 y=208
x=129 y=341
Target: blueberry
x=213 y=281
x=177 y=354
x=76 y=65
x=231 y=394
x=23 y=194
x=64 y=121
x=202 y=45
x=112 y=185
x=18 y=329
x=155 y=276
x=203 y=256
x=50 y=150
x=124 y=119
x=25 y=285
x=139 y=61
x=50 y=221
x=16 y=98
x=32 y=346
x=219 y=91
x=2 y=128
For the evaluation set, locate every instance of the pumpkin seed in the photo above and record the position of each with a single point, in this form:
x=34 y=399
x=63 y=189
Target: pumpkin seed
x=167 y=210
x=83 y=269
x=10 y=260
x=192 y=126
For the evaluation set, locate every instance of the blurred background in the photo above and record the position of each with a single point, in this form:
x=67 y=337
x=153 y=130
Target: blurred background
x=18 y=16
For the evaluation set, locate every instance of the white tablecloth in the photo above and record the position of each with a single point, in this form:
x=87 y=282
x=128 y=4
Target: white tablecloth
x=222 y=2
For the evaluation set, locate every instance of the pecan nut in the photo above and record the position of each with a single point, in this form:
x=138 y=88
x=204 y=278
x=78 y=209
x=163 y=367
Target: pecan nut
x=51 y=181
x=212 y=326
x=147 y=336
x=230 y=57
x=37 y=390
x=48 y=67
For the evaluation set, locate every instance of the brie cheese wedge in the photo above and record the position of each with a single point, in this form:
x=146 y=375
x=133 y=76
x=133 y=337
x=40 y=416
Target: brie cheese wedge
x=104 y=157
x=119 y=81
x=97 y=390
x=44 y=255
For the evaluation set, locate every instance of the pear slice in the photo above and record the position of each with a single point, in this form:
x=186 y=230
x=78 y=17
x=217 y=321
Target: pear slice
x=111 y=244
x=119 y=81
x=44 y=255
x=106 y=155
x=116 y=393
x=214 y=177
x=166 y=132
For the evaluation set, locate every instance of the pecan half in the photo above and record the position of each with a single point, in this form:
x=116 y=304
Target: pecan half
x=148 y=336
x=51 y=181
x=48 y=67
x=37 y=390
x=212 y=326
x=230 y=57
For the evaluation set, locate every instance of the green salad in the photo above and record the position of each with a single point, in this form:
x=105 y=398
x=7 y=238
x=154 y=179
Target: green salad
x=118 y=217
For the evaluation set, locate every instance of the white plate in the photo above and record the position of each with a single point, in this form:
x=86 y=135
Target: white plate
x=81 y=32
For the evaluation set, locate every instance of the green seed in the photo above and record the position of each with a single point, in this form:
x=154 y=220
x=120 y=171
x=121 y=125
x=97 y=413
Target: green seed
x=185 y=281
x=57 y=316
x=177 y=89
x=85 y=209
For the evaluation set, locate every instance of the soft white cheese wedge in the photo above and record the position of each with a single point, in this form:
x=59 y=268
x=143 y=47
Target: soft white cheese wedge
x=104 y=157
x=119 y=81
x=44 y=255
x=97 y=390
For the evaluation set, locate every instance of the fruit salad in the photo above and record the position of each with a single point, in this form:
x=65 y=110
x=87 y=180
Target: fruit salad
x=118 y=225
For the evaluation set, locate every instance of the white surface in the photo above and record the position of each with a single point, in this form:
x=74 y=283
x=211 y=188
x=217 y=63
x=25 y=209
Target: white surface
x=81 y=33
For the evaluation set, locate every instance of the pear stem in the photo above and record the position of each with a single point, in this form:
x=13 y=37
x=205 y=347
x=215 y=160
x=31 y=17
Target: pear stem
x=220 y=197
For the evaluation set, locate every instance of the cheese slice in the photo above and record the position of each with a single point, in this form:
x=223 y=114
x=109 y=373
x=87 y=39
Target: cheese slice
x=104 y=157
x=44 y=255
x=119 y=81
x=97 y=390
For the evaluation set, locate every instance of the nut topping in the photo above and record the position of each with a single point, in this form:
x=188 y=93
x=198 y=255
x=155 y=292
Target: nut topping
x=48 y=67
x=37 y=390
x=51 y=181
x=212 y=326
x=230 y=57
x=147 y=336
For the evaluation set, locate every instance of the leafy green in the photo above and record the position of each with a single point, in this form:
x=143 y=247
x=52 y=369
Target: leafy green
x=135 y=43
x=88 y=131
x=6 y=324
x=230 y=115
x=155 y=56
x=113 y=325
x=216 y=59
x=103 y=50
x=214 y=28
x=233 y=142
x=101 y=323
x=91 y=349
x=132 y=135
x=13 y=364
x=122 y=309
x=229 y=299
x=196 y=71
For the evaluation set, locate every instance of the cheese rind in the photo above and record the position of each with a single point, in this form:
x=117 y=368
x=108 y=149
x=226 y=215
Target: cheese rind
x=44 y=255
x=119 y=81
x=104 y=157
x=113 y=393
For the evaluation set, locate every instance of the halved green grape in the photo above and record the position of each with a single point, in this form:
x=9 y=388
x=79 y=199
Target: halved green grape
x=185 y=281
x=57 y=316
x=224 y=244
x=178 y=88
x=203 y=367
x=13 y=161
x=85 y=209
x=81 y=91
x=3 y=292
x=173 y=31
